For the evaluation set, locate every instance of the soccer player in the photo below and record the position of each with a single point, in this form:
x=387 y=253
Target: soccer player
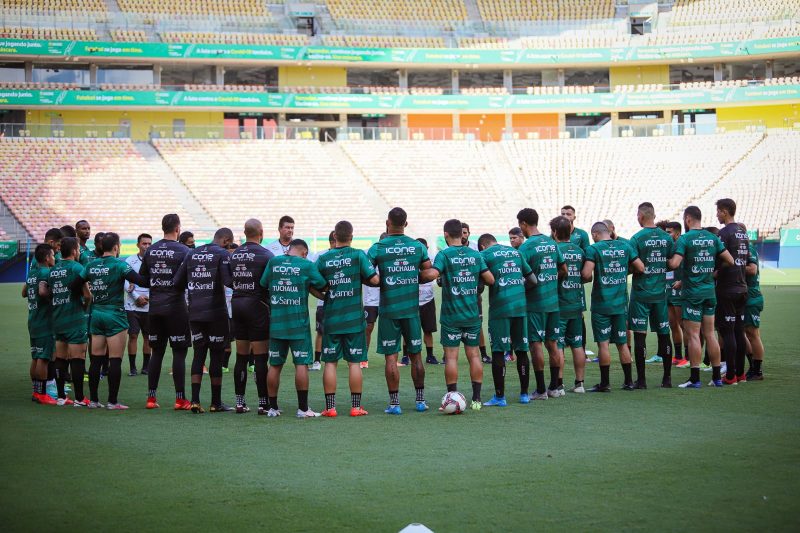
x=68 y=231
x=280 y=246
x=88 y=255
x=204 y=273
x=402 y=263
x=427 y=316
x=40 y=321
x=289 y=278
x=576 y=235
x=319 y=318
x=675 y=303
x=515 y=237
x=648 y=298
x=250 y=310
x=752 y=317
x=168 y=315
x=106 y=276
x=459 y=268
x=344 y=269
x=731 y=289
x=83 y=231
x=542 y=255
x=372 y=301
x=571 y=299
x=52 y=237
x=608 y=261
x=70 y=297
x=137 y=300
x=508 y=326
x=187 y=239
x=465 y=233
x=696 y=253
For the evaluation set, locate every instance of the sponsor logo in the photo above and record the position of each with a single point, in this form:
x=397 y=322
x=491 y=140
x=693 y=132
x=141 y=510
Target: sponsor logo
x=703 y=242
x=393 y=280
x=280 y=269
x=454 y=336
x=652 y=243
x=161 y=253
x=243 y=256
x=387 y=344
x=196 y=286
x=401 y=250
x=613 y=252
x=605 y=331
x=282 y=300
x=99 y=271
x=338 y=263
x=639 y=321
x=356 y=351
x=462 y=260
x=506 y=253
x=216 y=338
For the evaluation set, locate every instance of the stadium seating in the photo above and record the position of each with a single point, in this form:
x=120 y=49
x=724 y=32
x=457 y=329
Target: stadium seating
x=138 y=36
x=383 y=41
x=504 y=10
x=52 y=182
x=38 y=7
x=694 y=13
x=218 y=8
x=266 y=39
x=236 y=180
x=44 y=85
x=766 y=185
x=65 y=34
x=408 y=12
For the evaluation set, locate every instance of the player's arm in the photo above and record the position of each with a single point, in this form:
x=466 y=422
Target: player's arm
x=587 y=271
x=562 y=271
x=179 y=279
x=44 y=290
x=133 y=278
x=144 y=269
x=751 y=269
x=726 y=258
x=531 y=281
x=225 y=272
x=373 y=281
x=487 y=277
x=318 y=285
x=25 y=290
x=87 y=295
x=636 y=267
x=675 y=261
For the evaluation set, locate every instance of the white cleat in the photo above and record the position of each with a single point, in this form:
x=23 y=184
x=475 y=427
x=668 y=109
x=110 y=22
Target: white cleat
x=316 y=365
x=95 y=405
x=307 y=414
x=537 y=396
x=579 y=389
x=116 y=407
x=273 y=413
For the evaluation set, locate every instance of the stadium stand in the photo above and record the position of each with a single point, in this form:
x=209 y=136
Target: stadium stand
x=266 y=39
x=409 y=12
x=273 y=179
x=48 y=182
x=383 y=41
x=37 y=7
x=503 y=10
x=218 y=8
x=694 y=13
x=137 y=36
x=67 y=34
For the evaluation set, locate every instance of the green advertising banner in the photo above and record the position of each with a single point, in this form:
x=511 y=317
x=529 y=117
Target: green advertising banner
x=8 y=249
x=680 y=99
x=89 y=49
x=790 y=238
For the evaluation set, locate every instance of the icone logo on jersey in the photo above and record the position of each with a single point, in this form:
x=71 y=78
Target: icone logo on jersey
x=280 y=269
x=243 y=256
x=655 y=242
x=572 y=256
x=401 y=250
x=155 y=252
x=202 y=256
x=703 y=242
x=336 y=263
x=505 y=253
x=613 y=252
x=99 y=271
x=462 y=260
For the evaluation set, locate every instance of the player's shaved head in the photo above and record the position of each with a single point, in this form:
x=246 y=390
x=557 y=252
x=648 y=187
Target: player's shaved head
x=452 y=228
x=561 y=228
x=647 y=211
x=486 y=240
x=253 y=228
x=343 y=232
x=298 y=248
x=600 y=228
x=223 y=237
x=609 y=225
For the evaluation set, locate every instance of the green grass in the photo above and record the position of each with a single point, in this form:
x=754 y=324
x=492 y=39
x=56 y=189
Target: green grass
x=667 y=459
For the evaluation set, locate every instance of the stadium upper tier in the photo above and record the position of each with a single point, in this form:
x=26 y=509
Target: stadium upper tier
x=52 y=182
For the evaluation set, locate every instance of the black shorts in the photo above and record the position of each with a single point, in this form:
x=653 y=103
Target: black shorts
x=138 y=321
x=173 y=328
x=427 y=316
x=371 y=313
x=730 y=310
x=320 y=318
x=211 y=335
x=250 y=319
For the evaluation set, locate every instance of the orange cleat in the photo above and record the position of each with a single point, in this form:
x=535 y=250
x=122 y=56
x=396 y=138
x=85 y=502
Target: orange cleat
x=727 y=381
x=330 y=413
x=182 y=404
x=151 y=403
x=683 y=363
x=81 y=403
x=44 y=399
x=358 y=411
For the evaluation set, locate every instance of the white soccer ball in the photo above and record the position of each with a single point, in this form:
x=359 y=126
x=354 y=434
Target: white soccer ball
x=453 y=403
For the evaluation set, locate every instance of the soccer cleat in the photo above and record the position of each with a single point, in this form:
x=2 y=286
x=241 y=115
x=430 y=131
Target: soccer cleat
x=316 y=365
x=600 y=388
x=393 y=410
x=741 y=379
x=404 y=361
x=486 y=360
x=133 y=372
x=666 y=383
x=723 y=369
x=640 y=384
x=226 y=370
x=475 y=405
x=654 y=359
x=81 y=403
x=705 y=368
x=220 y=408
x=495 y=401
x=95 y=405
x=755 y=376
x=116 y=407
x=579 y=389
x=628 y=387
x=431 y=360
x=242 y=408
x=727 y=381
x=197 y=408
x=589 y=352
x=595 y=359
x=684 y=363
x=61 y=402
x=524 y=398
x=422 y=406
x=52 y=390
x=262 y=411
x=306 y=414
x=715 y=383
x=364 y=364
x=272 y=413
x=152 y=403
x=553 y=393
x=181 y=404
x=690 y=385
x=330 y=413
x=677 y=360
x=358 y=411
x=539 y=395
x=143 y=372
x=251 y=368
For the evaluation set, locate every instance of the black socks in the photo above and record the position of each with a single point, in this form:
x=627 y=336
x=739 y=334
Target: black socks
x=114 y=379
x=524 y=370
x=499 y=373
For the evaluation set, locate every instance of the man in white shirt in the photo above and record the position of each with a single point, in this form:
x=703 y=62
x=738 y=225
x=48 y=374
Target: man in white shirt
x=285 y=236
x=137 y=305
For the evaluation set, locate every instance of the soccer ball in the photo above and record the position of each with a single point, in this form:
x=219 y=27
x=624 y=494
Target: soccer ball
x=453 y=403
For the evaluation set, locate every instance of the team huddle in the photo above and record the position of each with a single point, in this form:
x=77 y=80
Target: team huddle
x=693 y=288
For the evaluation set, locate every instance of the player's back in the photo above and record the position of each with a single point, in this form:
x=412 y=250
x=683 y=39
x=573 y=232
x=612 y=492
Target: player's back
x=344 y=269
x=542 y=255
x=207 y=273
x=610 y=288
x=460 y=268
x=159 y=265
x=571 y=298
x=398 y=258
x=106 y=277
x=653 y=246
x=733 y=279
x=67 y=305
x=507 y=295
x=699 y=249
x=247 y=264
x=288 y=278
x=40 y=312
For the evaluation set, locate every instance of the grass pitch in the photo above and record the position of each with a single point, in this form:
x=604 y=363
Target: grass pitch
x=667 y=459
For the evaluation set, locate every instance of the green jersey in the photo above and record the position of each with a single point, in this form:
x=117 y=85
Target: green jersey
x=610 y=288
x=40 y=313
x=287 y=278
x=543 y=256
x=460 y=268
x=653 y=246
x=68 y=312
x=345 y=269
x=87 y=256
x=580 y=237
x=398 y=259
x=571 y=297
x=754 y=296
x=106 y=277
x=507 y=295
x=699 y=249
